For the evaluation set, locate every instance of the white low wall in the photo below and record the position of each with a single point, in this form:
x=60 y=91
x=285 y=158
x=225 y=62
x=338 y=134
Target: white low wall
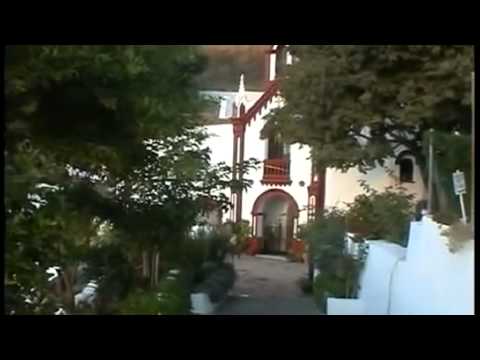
x=432 y=280
x=425 y=279
x=345 y=307
x=376 y=280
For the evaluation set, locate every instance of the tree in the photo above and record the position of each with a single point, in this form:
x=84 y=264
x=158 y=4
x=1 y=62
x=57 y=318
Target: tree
x=334 y=93
x=89 y=108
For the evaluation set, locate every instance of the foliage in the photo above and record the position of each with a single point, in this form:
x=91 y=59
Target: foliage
x=114 y=273
x=171 y=297
x=217 y=283
x=242 y=232
x=335 y=92
x=452 y=152
x=381 y=215
x=213 y=245
x=326 y=238
x=458 y=235
x=306 y=285
x=328 y=285
x=75 y=113
x=113 y=96
x=339 y=271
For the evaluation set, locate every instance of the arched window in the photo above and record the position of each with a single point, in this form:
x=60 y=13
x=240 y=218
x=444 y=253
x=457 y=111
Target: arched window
x=406 y=168
x=242 y=110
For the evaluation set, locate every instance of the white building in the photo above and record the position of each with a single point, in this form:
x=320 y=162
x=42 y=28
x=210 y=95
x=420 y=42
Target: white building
x=287 y=191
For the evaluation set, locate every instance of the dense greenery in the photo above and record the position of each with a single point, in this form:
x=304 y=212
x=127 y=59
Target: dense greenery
x=170 y=297
x=452 y=152
x=339 y=271
x=383 y=215
x=217 y=282
x=333 y=92
x=101 y=136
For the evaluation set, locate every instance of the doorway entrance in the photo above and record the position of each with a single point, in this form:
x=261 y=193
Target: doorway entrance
x=275 y=221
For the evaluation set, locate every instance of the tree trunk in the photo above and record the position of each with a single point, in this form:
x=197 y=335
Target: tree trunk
x=68 y=296
x=442 y=199
x=152 y=269
x=145 y=264
x=157 y=267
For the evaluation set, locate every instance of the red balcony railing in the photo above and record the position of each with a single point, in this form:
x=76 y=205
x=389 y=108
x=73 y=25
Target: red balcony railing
x=276 y=172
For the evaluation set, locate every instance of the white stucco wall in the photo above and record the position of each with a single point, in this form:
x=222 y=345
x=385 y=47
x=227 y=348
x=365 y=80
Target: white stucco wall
x=425 y=279
x=432 y=280
x=220 y=142
x=342 y=188
x=345 y=307
x=300 y=170
x=376 y=279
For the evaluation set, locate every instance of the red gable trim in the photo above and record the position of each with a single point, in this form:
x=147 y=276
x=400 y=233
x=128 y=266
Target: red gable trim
x=262 y=102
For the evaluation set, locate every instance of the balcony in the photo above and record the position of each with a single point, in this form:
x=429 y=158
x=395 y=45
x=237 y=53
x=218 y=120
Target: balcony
x=276 y=172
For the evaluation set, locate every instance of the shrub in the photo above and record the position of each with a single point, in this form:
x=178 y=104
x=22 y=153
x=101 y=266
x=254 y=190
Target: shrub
x=306 y=285
x=381 y=215
x=327 y=285
x=458 y=235
x=326 y=238
x=210 y=245
x=110 y=265
x=171 y=297
x=339 y=272
x=218 y=283
x=452 y=153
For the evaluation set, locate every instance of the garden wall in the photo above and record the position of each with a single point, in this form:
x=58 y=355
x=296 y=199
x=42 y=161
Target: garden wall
x=424 y=279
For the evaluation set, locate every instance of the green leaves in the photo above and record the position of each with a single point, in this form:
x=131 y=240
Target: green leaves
x=335 y=88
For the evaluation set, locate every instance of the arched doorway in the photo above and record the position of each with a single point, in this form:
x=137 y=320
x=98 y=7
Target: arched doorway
x=275 y=221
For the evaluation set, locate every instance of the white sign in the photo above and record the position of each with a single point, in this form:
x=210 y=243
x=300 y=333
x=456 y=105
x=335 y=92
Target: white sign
x=459 y=183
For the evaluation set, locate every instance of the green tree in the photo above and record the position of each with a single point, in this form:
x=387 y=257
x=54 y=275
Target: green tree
x=398 y=91
x=89 y=108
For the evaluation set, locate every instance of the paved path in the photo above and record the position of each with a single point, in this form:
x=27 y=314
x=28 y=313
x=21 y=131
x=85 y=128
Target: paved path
x=268 y=287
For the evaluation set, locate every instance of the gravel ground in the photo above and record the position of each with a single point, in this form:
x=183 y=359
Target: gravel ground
x=268 y=287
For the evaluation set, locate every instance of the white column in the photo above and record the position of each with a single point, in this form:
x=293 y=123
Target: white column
x=273 y=66
x=289 y=58
x=259 y=226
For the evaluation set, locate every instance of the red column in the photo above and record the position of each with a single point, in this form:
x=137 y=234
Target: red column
x=239 y=149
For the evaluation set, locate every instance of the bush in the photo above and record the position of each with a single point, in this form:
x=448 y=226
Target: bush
x=327 y=285
x=381 y=215
x=218 y=283
x=172 y=297
x=339 y=272
x=458 y=235
x=452 y=153
x=306 y=285
x=110 y=265
x=326 y=238
x=211 y=246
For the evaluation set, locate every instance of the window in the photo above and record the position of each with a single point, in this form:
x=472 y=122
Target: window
x=406 y=170
x=276 y=149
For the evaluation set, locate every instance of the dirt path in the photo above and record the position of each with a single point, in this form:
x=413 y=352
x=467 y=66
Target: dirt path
x=268 y=287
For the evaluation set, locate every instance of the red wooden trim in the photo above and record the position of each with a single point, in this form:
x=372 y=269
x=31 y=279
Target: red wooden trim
x=238 y=127
x=276 y=172
x=277 y=181
x=267 y=96
x=317 y=189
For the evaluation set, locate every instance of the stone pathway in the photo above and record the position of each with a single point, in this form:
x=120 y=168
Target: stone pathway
x=268 y=287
